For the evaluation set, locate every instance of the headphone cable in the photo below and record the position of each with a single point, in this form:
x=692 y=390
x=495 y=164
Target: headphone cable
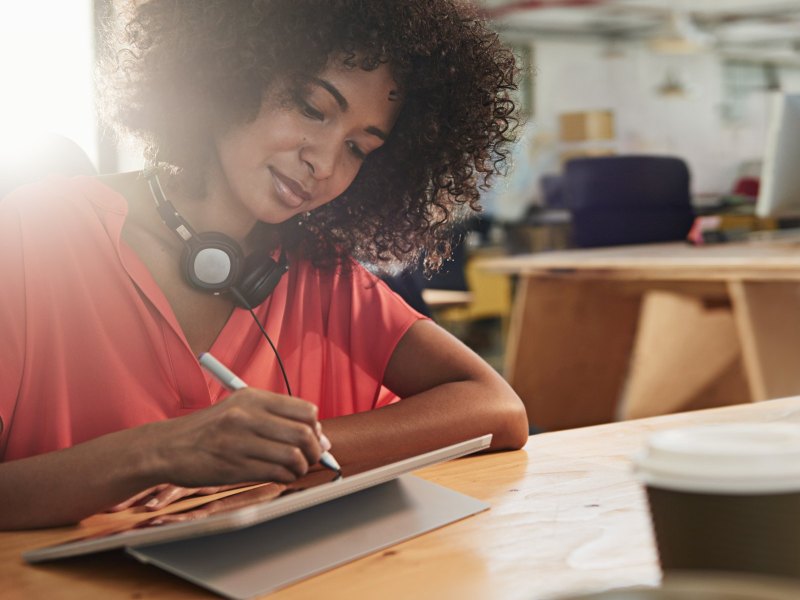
x=246 y=304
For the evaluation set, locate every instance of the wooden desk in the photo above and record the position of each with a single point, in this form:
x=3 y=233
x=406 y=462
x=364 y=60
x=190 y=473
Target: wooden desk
x=437 y=299
x=705 y=326
x=566 y=516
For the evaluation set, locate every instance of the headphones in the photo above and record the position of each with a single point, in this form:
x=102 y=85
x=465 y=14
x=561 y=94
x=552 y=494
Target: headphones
x=214 y=262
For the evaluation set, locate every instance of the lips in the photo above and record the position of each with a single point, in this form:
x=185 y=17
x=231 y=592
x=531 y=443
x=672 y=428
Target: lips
x=290 y=191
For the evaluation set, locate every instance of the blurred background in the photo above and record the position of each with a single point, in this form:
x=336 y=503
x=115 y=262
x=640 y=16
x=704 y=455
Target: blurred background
x=694 y=81
x=686 y=78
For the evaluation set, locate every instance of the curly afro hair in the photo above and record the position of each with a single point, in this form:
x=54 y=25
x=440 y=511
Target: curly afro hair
x=185 y=70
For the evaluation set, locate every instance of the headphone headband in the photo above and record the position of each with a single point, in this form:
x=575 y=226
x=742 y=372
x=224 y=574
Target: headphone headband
x=169 y=214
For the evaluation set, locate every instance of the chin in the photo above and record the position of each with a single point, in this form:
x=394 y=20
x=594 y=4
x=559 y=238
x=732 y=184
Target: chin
x=274 y=213
x=273 y=219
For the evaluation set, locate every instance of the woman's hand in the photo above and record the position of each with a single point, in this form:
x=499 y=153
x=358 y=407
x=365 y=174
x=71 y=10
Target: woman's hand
x=253 y=435
x=248 y=497
x=268 y=491
x=159 y=496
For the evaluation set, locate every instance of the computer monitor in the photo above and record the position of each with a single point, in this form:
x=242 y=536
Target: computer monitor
x=779 y=190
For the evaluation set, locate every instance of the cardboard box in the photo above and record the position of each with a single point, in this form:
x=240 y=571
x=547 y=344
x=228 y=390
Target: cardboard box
x=586 y=126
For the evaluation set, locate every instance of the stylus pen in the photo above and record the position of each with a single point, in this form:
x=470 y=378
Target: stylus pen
x=229 y=379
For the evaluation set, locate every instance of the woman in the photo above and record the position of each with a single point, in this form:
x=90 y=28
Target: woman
x=286 y=132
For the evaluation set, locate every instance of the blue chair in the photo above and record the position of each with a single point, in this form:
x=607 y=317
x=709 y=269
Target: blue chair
x=552 y=187
x=617 y=200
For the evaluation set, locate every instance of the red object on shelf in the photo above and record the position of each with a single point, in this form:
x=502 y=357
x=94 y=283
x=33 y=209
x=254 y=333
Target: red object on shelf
x=747 y=186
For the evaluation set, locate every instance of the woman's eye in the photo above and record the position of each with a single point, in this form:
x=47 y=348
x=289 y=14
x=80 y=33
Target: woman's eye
x=310 y=112
x=357 y=152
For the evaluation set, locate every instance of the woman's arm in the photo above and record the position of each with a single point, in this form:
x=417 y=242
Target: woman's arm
x=251 y=436
x=449 y=395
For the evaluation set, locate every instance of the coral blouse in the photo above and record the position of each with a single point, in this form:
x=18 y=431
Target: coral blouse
x=89 y=344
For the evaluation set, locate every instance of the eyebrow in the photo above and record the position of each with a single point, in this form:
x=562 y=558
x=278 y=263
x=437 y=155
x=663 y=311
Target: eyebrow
x=376 y=132
x=337 y=95
x=345 y=106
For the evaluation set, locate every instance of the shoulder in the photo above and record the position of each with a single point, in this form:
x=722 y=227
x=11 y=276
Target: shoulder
x=56 y=195
x=349 y=278
x=349 y=282
x=61 y=224
x=61 y=204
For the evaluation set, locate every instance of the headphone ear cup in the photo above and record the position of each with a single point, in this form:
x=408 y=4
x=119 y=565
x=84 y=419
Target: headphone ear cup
x=260 y=278
x=212 y=262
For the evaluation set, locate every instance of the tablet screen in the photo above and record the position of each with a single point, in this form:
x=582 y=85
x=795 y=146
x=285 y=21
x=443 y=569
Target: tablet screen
x=243 y=507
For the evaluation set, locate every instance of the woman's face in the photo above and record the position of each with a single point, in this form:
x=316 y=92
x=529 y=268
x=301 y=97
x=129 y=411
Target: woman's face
x=293 y=158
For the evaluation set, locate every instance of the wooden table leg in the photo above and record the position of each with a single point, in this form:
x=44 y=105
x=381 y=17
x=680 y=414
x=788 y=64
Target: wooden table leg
x=768 y=320
x=568 y=349
x=686 y=356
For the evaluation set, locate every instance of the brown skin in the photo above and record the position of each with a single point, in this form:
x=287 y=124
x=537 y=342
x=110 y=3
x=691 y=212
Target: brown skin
x=449 y=394
x=254 y=436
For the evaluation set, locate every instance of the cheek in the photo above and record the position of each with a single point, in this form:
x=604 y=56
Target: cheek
x=271 y=135
x=346 y=176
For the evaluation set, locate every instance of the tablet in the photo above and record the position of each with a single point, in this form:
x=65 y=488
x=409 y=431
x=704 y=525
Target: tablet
x=257 y=512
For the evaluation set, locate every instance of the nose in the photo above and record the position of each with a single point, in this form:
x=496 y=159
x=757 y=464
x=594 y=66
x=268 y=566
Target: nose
x=321 y=157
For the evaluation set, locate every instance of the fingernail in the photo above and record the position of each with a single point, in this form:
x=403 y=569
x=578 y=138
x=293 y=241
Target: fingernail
x=319 y=429
x=152 y=503
x=324 y=442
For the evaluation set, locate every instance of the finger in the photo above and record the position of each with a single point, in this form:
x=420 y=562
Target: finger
x=271 y=454
x=324 y=442
x=192 y=515
x=287 y=407
x=224 y=488
x=166 y=497
x=262 y=493
x=133 y=500
x=289 y=433
x=251 y=457
x=175 y=493
x=238 y=419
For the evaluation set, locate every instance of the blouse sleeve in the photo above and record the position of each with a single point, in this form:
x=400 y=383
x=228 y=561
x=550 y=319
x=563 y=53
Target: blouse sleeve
x=382 y=318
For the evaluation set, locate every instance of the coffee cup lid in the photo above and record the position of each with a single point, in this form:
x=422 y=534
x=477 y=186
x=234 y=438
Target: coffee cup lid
x=741 y=458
